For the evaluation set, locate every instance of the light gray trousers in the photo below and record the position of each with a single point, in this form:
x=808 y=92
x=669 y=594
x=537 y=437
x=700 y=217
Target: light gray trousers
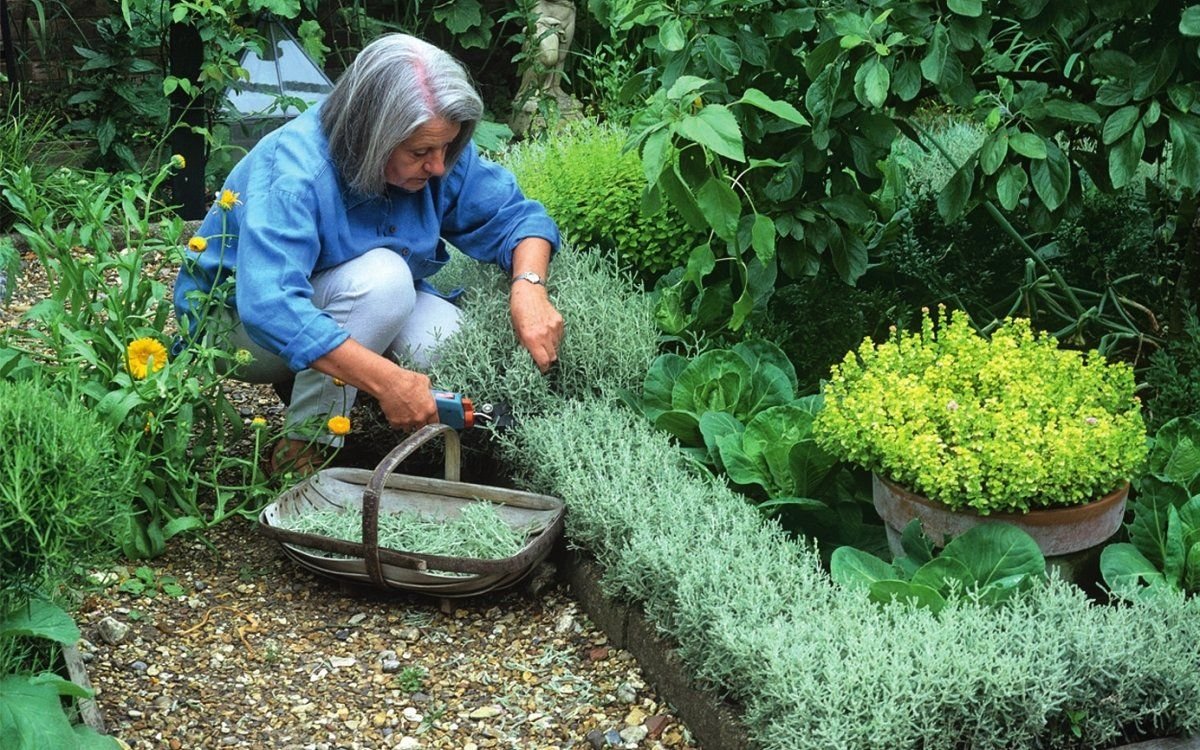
x=373 y=298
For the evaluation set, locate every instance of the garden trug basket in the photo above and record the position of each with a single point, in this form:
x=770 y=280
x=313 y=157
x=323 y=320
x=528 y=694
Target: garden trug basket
x=382 y=491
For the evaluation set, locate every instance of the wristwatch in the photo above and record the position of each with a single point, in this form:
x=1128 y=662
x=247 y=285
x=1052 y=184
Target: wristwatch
x=529 y=276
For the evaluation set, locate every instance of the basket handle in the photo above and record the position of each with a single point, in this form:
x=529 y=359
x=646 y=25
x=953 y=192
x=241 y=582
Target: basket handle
x=374 y=488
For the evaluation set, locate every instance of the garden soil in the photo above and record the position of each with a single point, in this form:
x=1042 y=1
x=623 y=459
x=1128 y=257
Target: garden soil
x=257 y=652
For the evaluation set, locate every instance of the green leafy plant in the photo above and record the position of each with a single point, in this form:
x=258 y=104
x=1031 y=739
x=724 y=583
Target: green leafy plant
x=1169 y=376
x=739 y=382
x=66 y=479
x=591 y=186
x=145 y=582
x=103 y=332
x=771 y=126
x=1163 y=551
x=410 y=680
x=988 y=563
x=775 y=451
x=1004 y=424
x=32 y=714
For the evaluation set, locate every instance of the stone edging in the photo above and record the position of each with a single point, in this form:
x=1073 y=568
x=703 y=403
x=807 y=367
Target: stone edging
x=713 y=722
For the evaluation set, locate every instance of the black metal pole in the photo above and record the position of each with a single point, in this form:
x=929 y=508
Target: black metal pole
x=10 y=59
x=186 y=58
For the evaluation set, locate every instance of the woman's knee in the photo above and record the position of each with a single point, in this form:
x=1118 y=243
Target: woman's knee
x=377 y=285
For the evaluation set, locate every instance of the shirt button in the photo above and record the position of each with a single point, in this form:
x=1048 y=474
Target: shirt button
x=404 y=252
x=391 y=229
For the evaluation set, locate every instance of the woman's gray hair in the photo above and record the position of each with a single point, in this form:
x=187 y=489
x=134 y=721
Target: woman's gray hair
x=394 y=86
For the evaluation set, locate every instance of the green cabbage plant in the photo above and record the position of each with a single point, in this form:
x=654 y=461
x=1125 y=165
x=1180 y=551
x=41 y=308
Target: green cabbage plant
x=740 y=383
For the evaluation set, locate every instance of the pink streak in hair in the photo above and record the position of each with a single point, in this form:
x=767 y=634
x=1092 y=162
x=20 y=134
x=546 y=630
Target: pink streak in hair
x=423 y=83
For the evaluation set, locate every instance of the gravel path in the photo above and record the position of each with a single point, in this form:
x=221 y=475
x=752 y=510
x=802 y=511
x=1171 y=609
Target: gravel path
x=259 y=653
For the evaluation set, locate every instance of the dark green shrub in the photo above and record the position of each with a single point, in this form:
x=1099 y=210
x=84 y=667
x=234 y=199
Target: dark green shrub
x=817 y=320
x=65 y=489
x=1171 y=376
x=593 y=189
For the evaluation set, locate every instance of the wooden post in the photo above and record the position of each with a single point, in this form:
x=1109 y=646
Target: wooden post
x=187 y=112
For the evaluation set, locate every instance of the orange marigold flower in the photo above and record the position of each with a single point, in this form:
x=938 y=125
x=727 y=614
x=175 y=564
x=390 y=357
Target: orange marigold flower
x=228 y=200
x=339 y=425
x=143 y=356
x=197 y=244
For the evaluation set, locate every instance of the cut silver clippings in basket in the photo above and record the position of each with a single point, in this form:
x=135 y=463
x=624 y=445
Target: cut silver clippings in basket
x=374 y=494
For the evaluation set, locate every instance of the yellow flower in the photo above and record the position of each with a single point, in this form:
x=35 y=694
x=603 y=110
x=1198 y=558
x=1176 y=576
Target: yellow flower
x=258 y=422
x=178 y=161
x=339 y=425
x=197 y=244
x=143 y=356
x=243 y=357
x=228 y=200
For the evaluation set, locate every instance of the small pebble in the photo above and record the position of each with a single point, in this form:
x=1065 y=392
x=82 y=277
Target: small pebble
x=139 y=666
x=112 y=631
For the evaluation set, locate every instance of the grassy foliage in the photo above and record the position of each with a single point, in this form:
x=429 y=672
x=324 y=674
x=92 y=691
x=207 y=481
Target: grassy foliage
x=593 y=188
x=65 y=488
x=817 y=666
x=609 y=343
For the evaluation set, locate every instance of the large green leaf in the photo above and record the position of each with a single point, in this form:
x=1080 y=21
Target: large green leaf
x=856 y=569
x=1072 y=111
x=1185 y=150
x=1189 y=22
x=1051 y=177
x=1124 y=568
x=1148 y=529
x=721 y=207
x=1011 y=185
x=943 y=574
x=1174 y=553
x=915 y=594
x=32 y=716
x=780 y=109
x=671 y=35
x=1125 y=156
x=1119 y=123
x=716 y=426
x=953 y=199
x=1191 y=571
x=715 y=128
x=684 y=425
x=992 y=551
x=1029 y=145
x=40 y=619
x=993 y=151
x=658 y=383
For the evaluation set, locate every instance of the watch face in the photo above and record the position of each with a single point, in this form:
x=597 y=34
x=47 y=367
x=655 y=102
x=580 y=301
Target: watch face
x=529 y=276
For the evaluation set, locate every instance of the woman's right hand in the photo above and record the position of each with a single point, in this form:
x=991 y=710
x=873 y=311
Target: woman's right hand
x=406 y=397
x=407 y=401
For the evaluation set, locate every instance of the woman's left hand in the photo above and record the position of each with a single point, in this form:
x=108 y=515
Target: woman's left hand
x=538 y=324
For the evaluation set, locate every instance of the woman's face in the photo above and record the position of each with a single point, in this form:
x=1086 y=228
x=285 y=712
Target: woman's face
x=422 y=155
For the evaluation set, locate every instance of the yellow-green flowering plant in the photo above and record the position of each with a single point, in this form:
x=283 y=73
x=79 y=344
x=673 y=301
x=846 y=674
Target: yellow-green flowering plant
x=1005 y=424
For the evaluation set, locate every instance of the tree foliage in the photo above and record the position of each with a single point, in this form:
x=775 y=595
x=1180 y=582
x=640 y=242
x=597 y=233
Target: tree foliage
x=770 y=123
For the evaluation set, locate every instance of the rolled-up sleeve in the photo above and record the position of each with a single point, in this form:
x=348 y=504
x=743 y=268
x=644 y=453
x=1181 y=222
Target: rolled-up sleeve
x=485 y=213
x=277 y=251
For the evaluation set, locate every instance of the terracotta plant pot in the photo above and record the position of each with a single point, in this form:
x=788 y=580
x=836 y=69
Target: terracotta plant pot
x=1057 y=531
